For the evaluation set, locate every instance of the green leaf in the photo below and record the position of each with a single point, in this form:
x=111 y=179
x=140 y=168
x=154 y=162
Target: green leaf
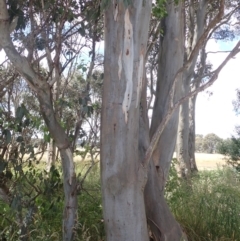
x=26 y=123
x=9 y=174
x=7 y=135
x=16 y=203
x=84 y=69
x=90 y=111
x=94 y=77
x=21 y=111
x=18 y=168
x=40 y=43
x=85 y=109
x=3 y=165
x=19 y=139
x=82 y=31
x=46 y=137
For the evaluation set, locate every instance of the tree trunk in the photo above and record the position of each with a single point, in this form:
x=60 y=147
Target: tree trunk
x=69 y=175
x=44 y=95
x=170 y=61
x=182 y=138
x=51 y=155
x=161 y=222
x=191 y=138
x=122 y=173
x=195 y=23
x=70 y=192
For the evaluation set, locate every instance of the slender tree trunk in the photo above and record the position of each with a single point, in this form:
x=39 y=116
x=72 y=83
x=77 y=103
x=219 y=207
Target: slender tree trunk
x=69 y=175
x=191 y=138
x=195 y=22
x=182 y=138
x=52 y=148
x=161 y=221
x=170 y=61
x=44 y=95
x=122 y=173
x=51 y=155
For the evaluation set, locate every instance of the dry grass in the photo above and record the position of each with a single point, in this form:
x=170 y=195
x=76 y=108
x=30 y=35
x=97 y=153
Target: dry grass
x=209 y=161
x=204 y=161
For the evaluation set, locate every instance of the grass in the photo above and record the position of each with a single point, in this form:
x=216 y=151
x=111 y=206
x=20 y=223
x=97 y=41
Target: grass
x=47 y=222
x=208 y=210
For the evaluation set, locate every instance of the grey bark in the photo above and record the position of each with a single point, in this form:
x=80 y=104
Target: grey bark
x=195 y=22
x=182 y=140
x=161 y=221
x=191 y=137
x=51 y=158
x=170 y=61
x=122 y=173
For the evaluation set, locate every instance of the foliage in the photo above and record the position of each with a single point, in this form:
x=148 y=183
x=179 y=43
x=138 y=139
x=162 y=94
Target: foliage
x=46 y=208
x=159 y=9
x=208 y=209
x=30 y=196
x=231 y=149
x=198 y=143
x=208 y=143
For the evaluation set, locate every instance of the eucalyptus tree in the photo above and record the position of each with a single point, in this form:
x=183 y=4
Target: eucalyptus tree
x=49 y=33
x=215 y=20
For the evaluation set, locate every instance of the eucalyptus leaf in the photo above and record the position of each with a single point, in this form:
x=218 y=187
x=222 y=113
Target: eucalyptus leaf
x=8 y=136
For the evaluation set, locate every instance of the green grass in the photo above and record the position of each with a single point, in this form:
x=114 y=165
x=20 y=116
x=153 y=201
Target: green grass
x=207 y=210
x=47 y=222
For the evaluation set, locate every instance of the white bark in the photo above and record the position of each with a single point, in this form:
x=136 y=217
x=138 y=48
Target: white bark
x=161 y=221
x=122 y=174
x=170 y=61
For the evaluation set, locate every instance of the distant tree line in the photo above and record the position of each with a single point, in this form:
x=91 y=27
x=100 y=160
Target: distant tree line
x=208 y=144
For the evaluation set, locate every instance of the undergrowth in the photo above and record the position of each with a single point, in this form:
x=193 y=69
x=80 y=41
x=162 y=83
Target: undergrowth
x=207 y=208
x=47 y=219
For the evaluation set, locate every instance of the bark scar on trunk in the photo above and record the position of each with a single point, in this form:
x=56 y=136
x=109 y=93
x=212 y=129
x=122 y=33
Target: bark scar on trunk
x=127 y=60
x=120 y=65
x=115 y=13
x=140 y=77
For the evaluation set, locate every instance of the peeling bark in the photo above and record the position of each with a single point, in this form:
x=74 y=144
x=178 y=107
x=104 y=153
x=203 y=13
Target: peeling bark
x=122 y=173
x=127 y=62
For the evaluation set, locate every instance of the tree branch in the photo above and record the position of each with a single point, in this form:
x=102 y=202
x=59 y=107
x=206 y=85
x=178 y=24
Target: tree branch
x=171 y=109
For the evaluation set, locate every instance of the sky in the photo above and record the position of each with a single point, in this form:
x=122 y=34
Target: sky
x=214 y=113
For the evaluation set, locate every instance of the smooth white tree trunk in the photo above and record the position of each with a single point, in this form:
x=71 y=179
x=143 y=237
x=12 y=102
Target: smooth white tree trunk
x=122 y=173
x=160 y=219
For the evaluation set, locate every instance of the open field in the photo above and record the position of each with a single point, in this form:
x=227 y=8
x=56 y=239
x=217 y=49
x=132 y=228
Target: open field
x=204 y=161
x=209 y=161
